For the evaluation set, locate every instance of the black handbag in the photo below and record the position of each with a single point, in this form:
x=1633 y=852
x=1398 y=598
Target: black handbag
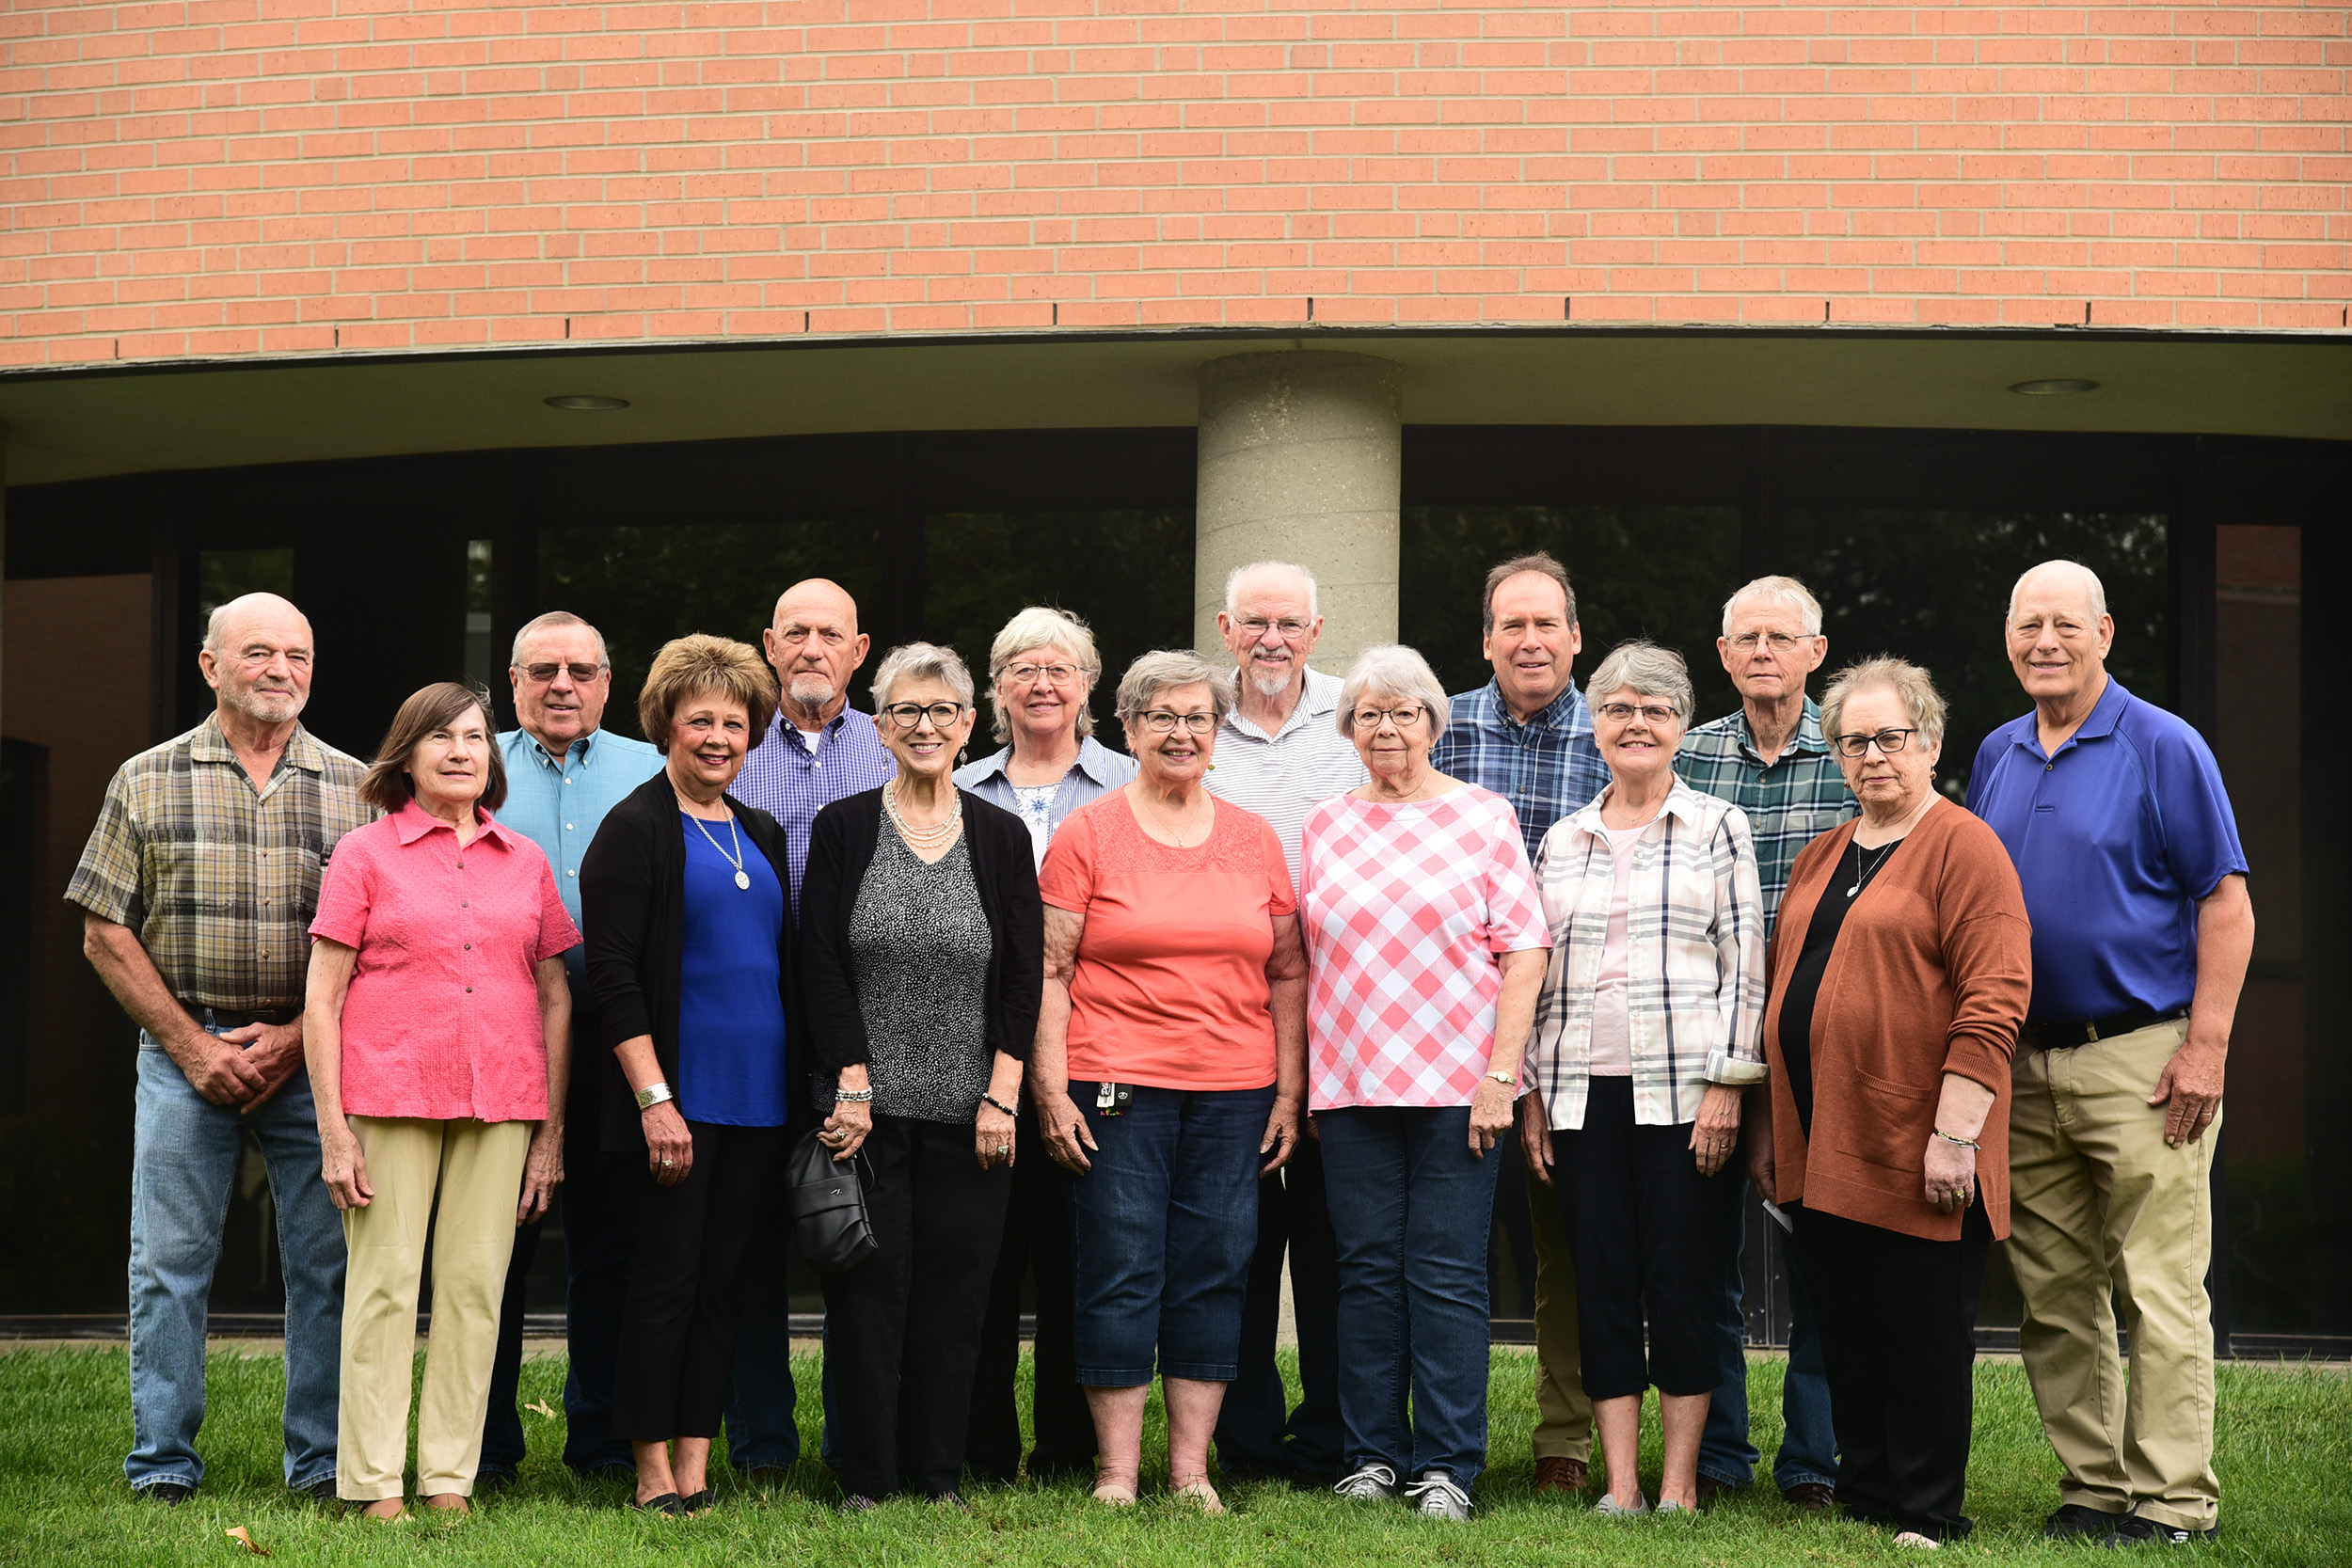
x=828 y=1208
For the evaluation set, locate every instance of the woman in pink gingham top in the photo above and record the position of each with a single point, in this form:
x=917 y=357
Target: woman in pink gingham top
x=1425 y=941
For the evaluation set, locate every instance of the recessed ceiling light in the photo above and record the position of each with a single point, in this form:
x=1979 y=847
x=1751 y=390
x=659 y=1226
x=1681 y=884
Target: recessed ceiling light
x=582 y=400
x=2057 y=386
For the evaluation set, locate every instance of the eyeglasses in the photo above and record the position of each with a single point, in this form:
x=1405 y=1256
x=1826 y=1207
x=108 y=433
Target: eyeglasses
x=581 y=674
x=1778 y=643
x=908 y=715
x=1404 y=716
x=1887 y=741
x=1622 y=713
x=1160 y=721
x=1028 y=674
x=1291 y=630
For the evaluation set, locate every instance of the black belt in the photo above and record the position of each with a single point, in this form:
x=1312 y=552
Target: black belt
x=2057 y=1034
x=223 y=1017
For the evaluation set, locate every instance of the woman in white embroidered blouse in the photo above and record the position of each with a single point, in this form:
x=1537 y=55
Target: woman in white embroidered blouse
x=1649 y=1024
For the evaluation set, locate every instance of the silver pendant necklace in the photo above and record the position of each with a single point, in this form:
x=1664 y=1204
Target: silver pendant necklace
x=742 y=877
x=1860 y=876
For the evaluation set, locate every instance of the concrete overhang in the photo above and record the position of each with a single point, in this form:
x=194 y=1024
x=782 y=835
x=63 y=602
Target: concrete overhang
x=89 y=420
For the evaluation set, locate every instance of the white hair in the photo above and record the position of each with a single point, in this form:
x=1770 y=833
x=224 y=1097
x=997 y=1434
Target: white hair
x=1780 y=591
x=1030 y=629
x=1912 y=685
x=550 y=621
x=1646 y=670
x=2089 y=578
x=1233 y=580
x=1395 y=671
x=920 y=661
x=1163 y=671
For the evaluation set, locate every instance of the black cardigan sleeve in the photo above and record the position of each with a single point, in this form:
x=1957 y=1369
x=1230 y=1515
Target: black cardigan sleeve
x=616 y=907
x=1020 y=957
x=836 y=1027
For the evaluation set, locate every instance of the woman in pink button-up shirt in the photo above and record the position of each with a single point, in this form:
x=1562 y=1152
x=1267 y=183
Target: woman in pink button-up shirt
x=438 y=1034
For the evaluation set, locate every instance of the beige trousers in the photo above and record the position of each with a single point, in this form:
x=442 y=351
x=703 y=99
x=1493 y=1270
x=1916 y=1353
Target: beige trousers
x=2099 y=1212
x=1564 y=1427
x=477 y=1169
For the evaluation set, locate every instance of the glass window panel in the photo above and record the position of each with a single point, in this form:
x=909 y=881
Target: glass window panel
x=642 y=585
x=1128 y=575
x=225 y=574
x=2258 y=633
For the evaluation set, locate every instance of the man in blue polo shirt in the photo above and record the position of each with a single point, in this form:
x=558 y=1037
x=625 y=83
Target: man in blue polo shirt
x=563 y=772
x=2114 y=812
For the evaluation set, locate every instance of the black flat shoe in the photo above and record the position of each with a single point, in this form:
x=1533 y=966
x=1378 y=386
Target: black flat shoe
x=669 y=1503
x=2073 y=1519
x=698 y=1502
x=171 y=1494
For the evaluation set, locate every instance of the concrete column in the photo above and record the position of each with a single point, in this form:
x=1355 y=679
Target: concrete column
x=1300 y=458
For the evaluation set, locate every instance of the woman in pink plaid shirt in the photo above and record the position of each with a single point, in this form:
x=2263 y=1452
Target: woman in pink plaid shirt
x=1425 y=941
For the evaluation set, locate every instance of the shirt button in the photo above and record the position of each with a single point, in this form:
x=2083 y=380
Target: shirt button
x=470 y=947
x=569 y=873
x=567 y=826
x=470 y=990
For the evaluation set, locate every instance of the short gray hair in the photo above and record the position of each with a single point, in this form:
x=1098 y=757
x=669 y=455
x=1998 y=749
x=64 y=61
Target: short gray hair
x=1036 y=627
x=921 y=661
x=1912 y=685
x=550 y=621
x=1155 y=673
x=1397 y=670
x=1781 y=591
x=2098 y=589
x=1646 y=670
x=1234 y=581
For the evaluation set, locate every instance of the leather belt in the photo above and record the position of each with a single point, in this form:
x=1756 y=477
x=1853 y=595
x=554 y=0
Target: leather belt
x=2057 y=1034
x=222 y=1018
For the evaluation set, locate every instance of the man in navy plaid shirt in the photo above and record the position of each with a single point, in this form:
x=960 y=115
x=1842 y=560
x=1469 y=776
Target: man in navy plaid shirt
x=1770 y=760
x=1527 y=736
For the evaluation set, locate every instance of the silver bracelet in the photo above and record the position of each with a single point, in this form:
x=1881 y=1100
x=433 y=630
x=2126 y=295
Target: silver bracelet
x=1964 y=1143
x=653 y=1095
x=852 y=1097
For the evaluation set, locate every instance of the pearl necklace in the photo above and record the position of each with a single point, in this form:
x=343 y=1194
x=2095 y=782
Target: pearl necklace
x=937 y=835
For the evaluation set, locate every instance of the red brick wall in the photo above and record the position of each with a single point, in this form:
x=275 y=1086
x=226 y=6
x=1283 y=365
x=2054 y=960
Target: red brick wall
x=230 y=177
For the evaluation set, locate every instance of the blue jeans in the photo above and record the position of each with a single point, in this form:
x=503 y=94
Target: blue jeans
x=1161 y=1233
x=1412 y=1209
x=181 y=1175
x=1808 y=1446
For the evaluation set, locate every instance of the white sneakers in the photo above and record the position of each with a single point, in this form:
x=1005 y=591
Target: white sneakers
x=1436 y=1496
x=1373 y=1483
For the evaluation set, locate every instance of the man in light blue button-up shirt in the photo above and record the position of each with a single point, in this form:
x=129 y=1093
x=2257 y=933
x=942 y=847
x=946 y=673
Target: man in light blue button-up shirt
x=562 y=774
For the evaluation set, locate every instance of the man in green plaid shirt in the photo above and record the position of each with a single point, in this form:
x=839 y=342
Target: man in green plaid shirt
x=197 y=890
x=1770 y=760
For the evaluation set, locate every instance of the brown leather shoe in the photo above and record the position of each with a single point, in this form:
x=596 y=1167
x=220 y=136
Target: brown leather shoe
x=1709 y=1489
x=1811 y=1496
x=1561 y=1475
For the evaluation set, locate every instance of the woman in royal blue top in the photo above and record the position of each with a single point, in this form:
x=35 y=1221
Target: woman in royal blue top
x=684 y=891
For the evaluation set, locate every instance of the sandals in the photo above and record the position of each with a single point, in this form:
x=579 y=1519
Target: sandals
x=1198 y=1490
x=1115 y=1494
x=668 y=1504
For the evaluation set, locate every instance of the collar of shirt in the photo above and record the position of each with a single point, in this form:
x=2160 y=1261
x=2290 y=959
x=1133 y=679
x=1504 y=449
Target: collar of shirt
x=521 y=744
x=810 y=742
x=412 y=822
x=210 y=745
x=2105 y=714
x=1092 y=755
x=1682 y=802
x=1565 y=713
x=1319 y=698
x=1808 y=737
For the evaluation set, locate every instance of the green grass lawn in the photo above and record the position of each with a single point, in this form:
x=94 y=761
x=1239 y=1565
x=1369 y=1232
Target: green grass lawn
x=65 y=1419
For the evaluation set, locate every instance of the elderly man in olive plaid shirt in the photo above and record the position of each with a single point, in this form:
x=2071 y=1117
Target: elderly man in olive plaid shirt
x=196 y=890
x=1770 y=760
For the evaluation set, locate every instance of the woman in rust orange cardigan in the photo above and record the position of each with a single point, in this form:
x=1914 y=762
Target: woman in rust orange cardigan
x=1901 y=969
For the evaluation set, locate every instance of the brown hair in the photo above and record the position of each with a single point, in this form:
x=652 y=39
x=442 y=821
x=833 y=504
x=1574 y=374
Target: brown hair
x=387 y=786
x=1543 y=565
x=692 y=666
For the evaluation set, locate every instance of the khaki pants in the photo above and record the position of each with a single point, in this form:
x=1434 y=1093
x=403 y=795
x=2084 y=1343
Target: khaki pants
x=1565 y=1426
x=2100 y=1208
x=477 y=1168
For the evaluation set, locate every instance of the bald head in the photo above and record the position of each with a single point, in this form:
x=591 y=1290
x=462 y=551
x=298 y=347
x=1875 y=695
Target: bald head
x=257 y=655
x=2057 y=582
x=814 y=647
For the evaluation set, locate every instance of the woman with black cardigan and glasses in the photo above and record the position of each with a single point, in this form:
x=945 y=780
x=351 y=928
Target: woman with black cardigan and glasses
x=689 y=959
x=922 y=956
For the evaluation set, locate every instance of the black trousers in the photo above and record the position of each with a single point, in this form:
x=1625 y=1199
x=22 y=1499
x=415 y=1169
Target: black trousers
x=686 y=1283
x=1897 y=1317
x=1641 y=1222
x=1257 y=1431
x=594 y=1200
x=1035 y=1242
x=902 y=1329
